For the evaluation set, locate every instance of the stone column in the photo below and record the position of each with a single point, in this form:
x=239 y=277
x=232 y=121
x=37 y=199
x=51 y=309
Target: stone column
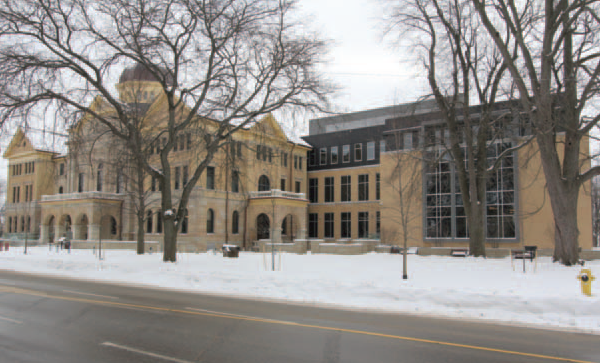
x=276 y=235
x=94 y=232
x=301 y=233
x=76 y=228
x=44 y=238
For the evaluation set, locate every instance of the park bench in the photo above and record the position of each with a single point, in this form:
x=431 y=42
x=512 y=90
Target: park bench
x=459 y=252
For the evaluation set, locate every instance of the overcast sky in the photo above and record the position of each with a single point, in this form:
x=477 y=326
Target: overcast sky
x=368 y=71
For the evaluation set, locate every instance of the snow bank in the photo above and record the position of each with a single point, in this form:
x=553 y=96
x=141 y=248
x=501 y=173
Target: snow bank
x=468 y=287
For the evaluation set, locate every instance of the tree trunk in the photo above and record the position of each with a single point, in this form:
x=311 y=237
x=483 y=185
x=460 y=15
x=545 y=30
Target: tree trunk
x=140 y=234
x=564 y=193
x=170 y=238
x=477 y=230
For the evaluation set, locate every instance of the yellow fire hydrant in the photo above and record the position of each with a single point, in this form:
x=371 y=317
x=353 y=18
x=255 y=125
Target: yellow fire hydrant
x=586 y=278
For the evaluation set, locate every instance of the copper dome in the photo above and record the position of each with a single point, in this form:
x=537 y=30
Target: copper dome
x=139 y=72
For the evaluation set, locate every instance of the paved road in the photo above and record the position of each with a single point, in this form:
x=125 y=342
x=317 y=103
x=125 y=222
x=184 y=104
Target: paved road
x=44 y=319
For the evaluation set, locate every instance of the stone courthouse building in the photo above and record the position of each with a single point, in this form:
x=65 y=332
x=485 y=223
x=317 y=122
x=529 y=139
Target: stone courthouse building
x=338 y=185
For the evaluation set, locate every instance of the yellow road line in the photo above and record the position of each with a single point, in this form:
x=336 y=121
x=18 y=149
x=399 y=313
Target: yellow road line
x=268 y=321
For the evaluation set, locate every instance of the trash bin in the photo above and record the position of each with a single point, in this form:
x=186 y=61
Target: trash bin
x=231 y=251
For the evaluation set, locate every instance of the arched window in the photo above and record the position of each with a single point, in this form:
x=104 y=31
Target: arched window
x=99 y=179
x=149 y=222
x=113 y=226
x=262 y=226
x=159 y=222
x=60 y=190
x=264 y=184
x=184 y=223
x=284 y=227
x=210 y=221
x=235 y=222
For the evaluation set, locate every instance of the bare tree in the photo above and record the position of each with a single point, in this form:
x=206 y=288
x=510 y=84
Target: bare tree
x=462 y=70
x=220 y=65
x=552 y=52
x=405 y=179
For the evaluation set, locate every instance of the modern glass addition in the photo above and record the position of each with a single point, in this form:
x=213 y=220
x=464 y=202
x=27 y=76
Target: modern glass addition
x=445 y=214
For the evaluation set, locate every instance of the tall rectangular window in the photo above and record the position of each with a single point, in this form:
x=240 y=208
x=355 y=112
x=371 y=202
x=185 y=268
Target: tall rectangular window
x=284 y=157
x=81 y=181
x=346 y=154
x=378 y=225
x=61 y=169
x=328 y=233
x=177 y=177
x=313 y=225
x=298 y=187
x=329 y=190
x=371 y=150
x=363 y=187
x=184 y=179
x=235 y=181
x=153 y=184
x=210 y=177
x=258 y=152
x=357 y=152
x=282 y=184
x=334 y=155
x=312 y=158
x=313 y=190
x=346 y=188
x=363 y=224
x=378 y=186
x=381 y=147
x=323 y=156
x=346 y=225
x=295 y=161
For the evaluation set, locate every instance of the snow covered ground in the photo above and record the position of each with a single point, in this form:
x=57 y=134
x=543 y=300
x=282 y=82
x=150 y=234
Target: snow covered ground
x=454 y=287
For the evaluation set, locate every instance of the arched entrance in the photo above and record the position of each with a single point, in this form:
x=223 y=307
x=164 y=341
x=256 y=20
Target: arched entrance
x=64 y=226
x=263 y=226
x=289 y=228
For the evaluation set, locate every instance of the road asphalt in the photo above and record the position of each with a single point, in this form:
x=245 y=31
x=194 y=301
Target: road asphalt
x=49 y=319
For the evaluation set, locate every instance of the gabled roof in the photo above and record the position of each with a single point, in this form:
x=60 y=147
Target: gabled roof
x=22 y=143
x=269 y=126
